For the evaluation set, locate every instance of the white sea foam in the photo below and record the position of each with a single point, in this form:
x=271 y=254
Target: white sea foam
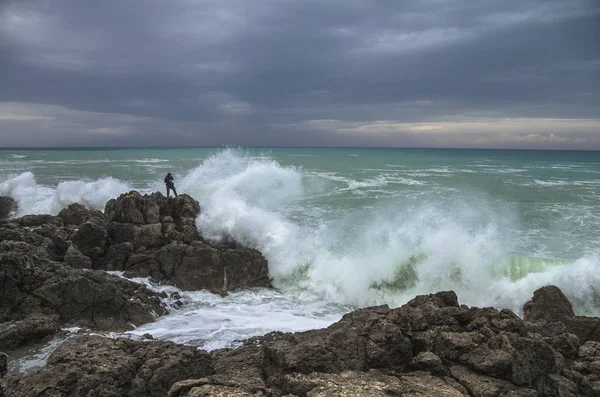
x=211 y=322
x=552 y=183
x=356 y=259
x=498 y=170
x=36 y=199
x=386 y=252
x=444 y=170
x=147 y=160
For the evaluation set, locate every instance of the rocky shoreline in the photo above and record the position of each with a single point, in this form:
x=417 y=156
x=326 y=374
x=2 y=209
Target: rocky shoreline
x=53 y=275
x=53 y=268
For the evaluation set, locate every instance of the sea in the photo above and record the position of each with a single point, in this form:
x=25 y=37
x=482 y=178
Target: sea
x=345 y=228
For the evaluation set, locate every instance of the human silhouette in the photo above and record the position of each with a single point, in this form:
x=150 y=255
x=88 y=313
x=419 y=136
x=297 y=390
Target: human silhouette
x=170 y=184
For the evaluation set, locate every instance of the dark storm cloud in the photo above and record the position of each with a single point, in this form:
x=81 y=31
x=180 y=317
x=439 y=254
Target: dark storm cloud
x=261 y=72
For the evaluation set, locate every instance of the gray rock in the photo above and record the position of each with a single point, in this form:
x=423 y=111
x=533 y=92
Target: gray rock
x=3 y=370
x=76 y=214
x=86 y=365
x=33 y=285
x=532 y=359
x=586 y=328
x=148 y=236
x=75 y=259
x=429 y=347
x=8 y=207
x=91 y=240
x=30 y=329
x=167 y=246
x=3 y=364
x=368 y=384
x=125 y=209
x=38 y=220
x=548 y=304
x=117 y=255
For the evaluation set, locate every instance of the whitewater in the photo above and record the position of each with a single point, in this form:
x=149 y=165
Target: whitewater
x=349 y=228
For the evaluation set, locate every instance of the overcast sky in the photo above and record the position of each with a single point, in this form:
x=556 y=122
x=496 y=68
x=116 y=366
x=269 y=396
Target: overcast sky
x=402 y=73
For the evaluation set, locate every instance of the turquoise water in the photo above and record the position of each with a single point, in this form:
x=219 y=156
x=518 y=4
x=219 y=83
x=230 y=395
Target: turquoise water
x=345 y=228
x=552 y=196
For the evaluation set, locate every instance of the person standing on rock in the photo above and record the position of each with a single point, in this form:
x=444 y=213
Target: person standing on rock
x=170 y=184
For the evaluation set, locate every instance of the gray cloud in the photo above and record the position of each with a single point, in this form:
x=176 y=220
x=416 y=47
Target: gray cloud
x=266 y=72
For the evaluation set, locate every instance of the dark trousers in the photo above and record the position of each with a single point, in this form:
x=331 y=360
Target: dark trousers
x=169 y=188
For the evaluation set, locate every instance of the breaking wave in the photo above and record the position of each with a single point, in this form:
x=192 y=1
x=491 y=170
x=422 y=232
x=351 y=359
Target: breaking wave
x=318 y=242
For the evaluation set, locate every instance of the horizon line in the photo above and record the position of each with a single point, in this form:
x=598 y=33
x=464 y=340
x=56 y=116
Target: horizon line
x=281 y=147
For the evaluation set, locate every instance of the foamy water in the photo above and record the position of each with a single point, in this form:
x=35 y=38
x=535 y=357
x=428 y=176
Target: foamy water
x=340 y=235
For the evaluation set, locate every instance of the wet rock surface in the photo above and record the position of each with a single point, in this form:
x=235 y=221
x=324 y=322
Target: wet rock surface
x=432 y=346
x=154 y=236
x=8 y=206
x=52 y=268
x=94 y=366
x=39 y=295
x=144 y=235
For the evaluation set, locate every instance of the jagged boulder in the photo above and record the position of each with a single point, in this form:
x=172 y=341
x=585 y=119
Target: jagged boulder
x=154 y=236
x=133 y=208
x=127 y=208
x=33 y=285
x=91 y=239
x=349 y=383
x=151 y=221
x=89 y=365
x=41 y=232
x=37 y=220
x=97 y=300
x=32 y=328
x=548 y=304
x=198 y=265
x=143 y=235
x=76 y=214
x=75 y=259
x=11 y=231
x=243 y=268
x=585 y=328
x=8 y=207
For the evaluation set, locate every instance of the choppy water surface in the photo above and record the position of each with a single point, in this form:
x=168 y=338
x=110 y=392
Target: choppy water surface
x=346 y=228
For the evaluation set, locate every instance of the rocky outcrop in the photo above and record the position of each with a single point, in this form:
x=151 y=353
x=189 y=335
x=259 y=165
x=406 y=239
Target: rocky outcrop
x=175 y=218
x=94 y=366
x=44 y=234
x=39 y=295
x=76 y=214
x=8 y=207
x=52 y=267
x=35 y=327
x=154 y=236
x=432 y=346
x=144 y=236
x=549 y=305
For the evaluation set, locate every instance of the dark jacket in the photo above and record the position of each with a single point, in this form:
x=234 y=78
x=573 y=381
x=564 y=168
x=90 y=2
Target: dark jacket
x=169 y=180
